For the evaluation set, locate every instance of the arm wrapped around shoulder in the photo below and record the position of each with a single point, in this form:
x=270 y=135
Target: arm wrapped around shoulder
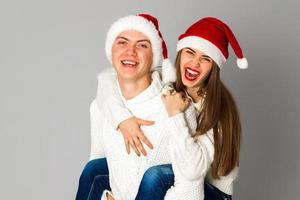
x=109 y=98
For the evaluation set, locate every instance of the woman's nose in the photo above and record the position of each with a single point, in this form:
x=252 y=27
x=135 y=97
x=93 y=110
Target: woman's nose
x=196 y=62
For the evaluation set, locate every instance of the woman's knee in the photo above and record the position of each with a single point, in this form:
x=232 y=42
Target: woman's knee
x=151 y=180
x=94 y=168
x=155 y=183
x=154 y=176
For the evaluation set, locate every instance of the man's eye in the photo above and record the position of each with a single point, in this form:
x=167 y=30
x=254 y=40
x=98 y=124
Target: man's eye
x=143 y=45
x=121 y=42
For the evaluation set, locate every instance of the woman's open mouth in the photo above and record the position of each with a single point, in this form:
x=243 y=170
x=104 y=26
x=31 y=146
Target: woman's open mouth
x=191 y=74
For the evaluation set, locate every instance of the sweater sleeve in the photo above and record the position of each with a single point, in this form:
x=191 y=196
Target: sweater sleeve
x=97 y=146
x=109 y=99
x=192 y=158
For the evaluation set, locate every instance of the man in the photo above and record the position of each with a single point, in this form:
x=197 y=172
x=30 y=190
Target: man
x=134 y=47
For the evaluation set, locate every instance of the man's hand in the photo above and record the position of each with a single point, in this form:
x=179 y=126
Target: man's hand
x=133 y=136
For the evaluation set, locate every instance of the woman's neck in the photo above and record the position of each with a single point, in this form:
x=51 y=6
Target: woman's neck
x=194 y=94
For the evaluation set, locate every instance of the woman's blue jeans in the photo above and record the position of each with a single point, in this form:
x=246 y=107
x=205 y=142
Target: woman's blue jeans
x=154 y=185
x=93 y=180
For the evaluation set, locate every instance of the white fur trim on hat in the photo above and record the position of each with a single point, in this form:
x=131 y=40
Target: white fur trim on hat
x=168 y=71
x=137 y=23
x=203 y=45
x=242 y=63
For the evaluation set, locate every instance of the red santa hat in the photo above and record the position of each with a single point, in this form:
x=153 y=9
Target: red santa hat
x=211 y=36
x=148 y=25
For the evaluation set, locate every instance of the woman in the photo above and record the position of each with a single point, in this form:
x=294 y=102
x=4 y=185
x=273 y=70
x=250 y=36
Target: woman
x=202 y=51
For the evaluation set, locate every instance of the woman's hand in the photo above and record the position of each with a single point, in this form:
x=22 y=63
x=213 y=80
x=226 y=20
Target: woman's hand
x=133 y=136
x=175 y=102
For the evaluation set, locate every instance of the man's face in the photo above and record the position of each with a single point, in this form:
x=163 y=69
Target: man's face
x=132 y=55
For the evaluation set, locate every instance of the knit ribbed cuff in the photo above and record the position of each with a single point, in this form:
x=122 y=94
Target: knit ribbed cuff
x=119 y=117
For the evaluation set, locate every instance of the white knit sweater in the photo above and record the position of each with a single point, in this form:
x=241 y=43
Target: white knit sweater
x=126 y=171
x=190 y=160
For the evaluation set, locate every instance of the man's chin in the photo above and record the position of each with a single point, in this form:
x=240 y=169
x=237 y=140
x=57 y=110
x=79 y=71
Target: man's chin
x=127 y=75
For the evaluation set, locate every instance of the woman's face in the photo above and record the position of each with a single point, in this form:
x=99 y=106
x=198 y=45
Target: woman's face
x=195 y=66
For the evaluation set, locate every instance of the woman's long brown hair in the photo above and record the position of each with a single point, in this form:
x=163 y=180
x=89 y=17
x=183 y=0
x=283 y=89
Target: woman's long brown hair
x=219 y=113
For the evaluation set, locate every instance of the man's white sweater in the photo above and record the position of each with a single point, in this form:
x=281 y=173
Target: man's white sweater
x=126 y=171
x=190 y=159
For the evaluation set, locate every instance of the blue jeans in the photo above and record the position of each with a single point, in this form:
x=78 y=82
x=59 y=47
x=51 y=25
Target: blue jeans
x=154 y=185
x=93 y=180
x=158 y=179
x=211 y=192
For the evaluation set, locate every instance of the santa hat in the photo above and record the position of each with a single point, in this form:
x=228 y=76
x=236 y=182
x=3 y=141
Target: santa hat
x=211 y=36
x=148 y=25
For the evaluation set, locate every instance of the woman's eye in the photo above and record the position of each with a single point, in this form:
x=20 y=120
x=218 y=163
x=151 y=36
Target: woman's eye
x=206 y=59
x=189 y=52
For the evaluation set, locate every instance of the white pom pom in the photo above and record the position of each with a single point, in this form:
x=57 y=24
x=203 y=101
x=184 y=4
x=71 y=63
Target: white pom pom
x=168 y=72
x=242 y=63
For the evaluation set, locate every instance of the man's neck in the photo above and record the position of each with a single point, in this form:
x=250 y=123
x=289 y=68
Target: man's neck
x=131 y=88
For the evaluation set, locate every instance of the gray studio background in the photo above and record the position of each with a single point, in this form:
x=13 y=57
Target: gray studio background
x=51 y=52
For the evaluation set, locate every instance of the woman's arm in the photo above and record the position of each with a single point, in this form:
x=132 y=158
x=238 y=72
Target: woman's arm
x=97 y=146
x=191 y=157
x=110 y=101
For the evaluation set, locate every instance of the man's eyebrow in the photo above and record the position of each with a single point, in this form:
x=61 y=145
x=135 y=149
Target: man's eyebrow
x=124 y=38
x=142 y=40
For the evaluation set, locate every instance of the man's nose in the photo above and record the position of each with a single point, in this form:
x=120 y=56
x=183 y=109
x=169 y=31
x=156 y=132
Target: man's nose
x=131 y=49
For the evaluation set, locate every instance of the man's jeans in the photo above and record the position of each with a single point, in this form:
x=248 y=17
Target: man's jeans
x=154 y=185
